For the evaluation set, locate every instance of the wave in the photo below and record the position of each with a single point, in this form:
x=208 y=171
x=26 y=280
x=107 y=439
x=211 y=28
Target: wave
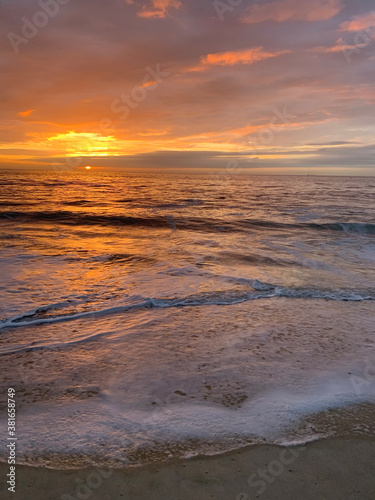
x=347 y=227
x=71 y=218
x=255 y=259
x=257 y=290
x=79 y=203
x=181 y=223
x=16 y=203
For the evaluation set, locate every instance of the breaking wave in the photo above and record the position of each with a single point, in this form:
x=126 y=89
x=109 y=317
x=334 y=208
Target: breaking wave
x=181 y=223
x=257 y=290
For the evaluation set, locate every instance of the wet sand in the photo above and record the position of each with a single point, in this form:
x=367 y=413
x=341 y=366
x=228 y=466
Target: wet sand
x=331 y=469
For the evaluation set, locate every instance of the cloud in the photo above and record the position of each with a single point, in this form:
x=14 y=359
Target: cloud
x=332 y=143
x=358 y=159
x=293 y=10
x=26 y=113
x=340 y=46
x=159 y=8
x=232 y=58
x=359 y=23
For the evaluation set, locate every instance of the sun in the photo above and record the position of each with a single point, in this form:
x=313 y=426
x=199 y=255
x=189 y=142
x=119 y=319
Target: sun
x=88 y=167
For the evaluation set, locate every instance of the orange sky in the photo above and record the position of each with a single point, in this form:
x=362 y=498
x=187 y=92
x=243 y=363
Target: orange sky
x=274 y=85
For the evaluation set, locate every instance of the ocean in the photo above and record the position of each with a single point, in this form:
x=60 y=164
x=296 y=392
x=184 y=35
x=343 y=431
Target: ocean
x=146 y=316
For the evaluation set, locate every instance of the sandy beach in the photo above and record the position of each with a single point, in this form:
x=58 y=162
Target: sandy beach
x=331 y=469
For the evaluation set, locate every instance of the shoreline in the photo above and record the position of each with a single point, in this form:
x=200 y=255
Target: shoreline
x=331 y=468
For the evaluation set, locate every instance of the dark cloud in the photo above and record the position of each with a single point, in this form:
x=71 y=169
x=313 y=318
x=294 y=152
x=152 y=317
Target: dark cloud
x=333 y=143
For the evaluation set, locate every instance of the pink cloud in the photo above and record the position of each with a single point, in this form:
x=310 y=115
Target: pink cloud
x=231 y=58
x=340 y=46
x=293 y=10
x=360 y=23
x=159 y=8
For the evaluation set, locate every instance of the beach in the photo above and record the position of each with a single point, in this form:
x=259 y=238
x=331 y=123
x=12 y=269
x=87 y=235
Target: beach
x=339 y=469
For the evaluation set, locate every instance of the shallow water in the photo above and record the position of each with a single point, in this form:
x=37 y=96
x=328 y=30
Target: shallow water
x=191 y=312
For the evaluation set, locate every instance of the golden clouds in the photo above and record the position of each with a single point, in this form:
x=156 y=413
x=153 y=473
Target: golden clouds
x=360 y=23
x=26 y=113
x=231 y=58
x=159 y=8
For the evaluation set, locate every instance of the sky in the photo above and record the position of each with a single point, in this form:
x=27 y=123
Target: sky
x=266 y=86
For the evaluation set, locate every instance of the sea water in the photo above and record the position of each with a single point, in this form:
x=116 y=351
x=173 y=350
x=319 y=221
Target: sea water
x=148 y=315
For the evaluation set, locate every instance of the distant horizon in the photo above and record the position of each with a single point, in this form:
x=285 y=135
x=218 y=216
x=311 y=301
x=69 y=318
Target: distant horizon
x=171 y=171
